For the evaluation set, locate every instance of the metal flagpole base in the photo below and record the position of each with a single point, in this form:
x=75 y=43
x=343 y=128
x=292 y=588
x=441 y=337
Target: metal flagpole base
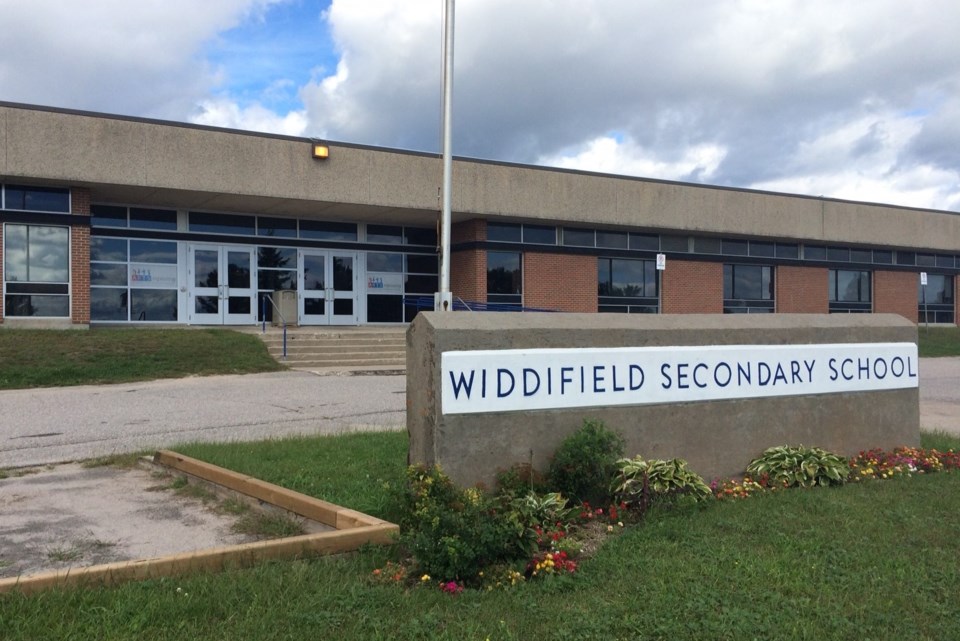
x=443 y=302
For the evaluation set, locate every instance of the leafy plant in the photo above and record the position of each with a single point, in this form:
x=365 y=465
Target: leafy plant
x=585 y=462
x=521 y=479
x=800 y=466
x=453 y=533
x=640 y=481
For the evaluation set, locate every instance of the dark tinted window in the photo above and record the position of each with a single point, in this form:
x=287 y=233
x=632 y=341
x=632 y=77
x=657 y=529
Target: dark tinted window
x=221 y=223
x=319 y=230
x=735 y=247
x=37 y=198
x=420 y=236
x=504 y=233
x=645 y=242
x=540 y=234
x=276 y=227
x=612 y=239
x=161 y=219
x=814 y=252
x=108 y=216
x=385 y=234
x=578 y=237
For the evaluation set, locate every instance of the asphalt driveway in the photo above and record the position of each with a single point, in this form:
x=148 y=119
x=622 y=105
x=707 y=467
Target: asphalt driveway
x=40 y=426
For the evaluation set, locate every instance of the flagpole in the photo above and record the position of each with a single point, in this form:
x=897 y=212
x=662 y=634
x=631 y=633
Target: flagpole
x=443 y=301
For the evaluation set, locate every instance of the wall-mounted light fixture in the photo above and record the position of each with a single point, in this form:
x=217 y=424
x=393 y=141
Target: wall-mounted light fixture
x=320 y=150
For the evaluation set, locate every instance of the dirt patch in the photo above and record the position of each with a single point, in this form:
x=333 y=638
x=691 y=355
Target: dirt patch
x=68 y=516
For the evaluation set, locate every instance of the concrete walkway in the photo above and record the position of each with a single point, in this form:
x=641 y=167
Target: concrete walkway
x=39 y=426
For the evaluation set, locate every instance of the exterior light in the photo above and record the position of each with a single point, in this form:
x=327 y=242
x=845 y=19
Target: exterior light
x=321 y=151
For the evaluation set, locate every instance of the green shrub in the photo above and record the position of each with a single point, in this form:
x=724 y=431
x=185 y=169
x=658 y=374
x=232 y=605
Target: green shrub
x=640 y=482
x=584 y=464
x=520 y=480
x=799 y=466
x=453 y=533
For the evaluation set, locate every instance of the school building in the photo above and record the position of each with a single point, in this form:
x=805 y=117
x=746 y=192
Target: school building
x=108 y=220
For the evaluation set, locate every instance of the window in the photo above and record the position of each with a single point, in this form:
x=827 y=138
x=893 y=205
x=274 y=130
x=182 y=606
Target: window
x=578 y=237
x=936 y=299
x=276 y=227
x=504 y=233
x=36 y=274
x=540 y=234
x=221 y=223
x=627 y=286
x=850 y=291
x=504 y=278
x=133 y=280
x=747 y=289
x=385 y=234
x=37 y=199
x=318 y=230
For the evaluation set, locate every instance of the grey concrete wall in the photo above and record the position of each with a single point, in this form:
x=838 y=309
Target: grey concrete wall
x=128 y=160
x=718 y=438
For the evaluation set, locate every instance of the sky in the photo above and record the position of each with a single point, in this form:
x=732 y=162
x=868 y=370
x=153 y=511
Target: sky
x=837 y=98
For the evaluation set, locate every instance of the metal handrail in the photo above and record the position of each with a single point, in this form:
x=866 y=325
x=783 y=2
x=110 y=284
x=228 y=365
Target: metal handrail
x=263 y=315
x=464 y=303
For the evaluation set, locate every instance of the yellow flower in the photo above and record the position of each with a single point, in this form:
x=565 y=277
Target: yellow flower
x=425 y=578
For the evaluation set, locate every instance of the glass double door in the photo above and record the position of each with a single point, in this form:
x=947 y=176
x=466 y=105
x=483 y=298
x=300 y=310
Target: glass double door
x=222 y=287
x=328 y=287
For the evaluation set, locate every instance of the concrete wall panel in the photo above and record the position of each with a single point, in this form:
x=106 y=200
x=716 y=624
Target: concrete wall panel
x=718 y=438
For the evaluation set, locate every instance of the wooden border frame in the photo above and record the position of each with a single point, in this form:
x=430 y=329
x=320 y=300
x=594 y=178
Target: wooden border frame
x=353 y=529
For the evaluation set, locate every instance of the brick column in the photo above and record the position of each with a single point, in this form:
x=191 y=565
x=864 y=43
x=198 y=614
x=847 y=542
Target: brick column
x=560 y=282
x=80 y=258
x=802 y=290
x=689 y=287
x=896 y=293
x=468 y=267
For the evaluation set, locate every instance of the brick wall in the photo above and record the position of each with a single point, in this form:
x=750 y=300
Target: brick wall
x=896 y=293
x=802 y=290
x=689 y=287
x=468 y=267
x=2 y=302
x=560 y=282
x=80 y=259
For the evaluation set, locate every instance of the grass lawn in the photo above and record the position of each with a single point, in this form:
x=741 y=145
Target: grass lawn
x=876 y=560
x=45 y=358
x=939 y=341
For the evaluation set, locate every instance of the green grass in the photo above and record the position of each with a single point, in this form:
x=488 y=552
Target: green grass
x=939 y=341
x=45 y=358
x=874 y=561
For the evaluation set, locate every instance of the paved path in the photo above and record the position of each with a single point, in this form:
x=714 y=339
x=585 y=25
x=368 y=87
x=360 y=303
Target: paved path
x=940 y=394
x=39 y=426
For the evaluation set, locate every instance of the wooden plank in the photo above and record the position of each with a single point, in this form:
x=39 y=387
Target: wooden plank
x=211 y=560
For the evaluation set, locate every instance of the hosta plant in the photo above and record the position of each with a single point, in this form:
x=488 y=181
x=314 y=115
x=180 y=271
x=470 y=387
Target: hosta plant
x=800 y=466
x=638 y=481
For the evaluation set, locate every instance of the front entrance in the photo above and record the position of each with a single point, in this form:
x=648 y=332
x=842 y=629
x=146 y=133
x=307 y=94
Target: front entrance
x=328 y=288
x=222 y=290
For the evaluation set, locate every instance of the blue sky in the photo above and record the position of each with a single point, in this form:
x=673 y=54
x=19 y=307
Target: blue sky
x=268 y=57
x=840 y=98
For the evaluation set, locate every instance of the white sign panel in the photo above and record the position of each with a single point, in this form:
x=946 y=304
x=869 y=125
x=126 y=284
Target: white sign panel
x=923 y=278
x=533 y=379
x=661 y=262
x=153 y=276
x=385 y=283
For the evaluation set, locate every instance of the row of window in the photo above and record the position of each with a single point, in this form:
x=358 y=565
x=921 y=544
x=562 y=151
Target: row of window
x=631 y=285
x=267 y=226
x=606 y=239
x=120 y=291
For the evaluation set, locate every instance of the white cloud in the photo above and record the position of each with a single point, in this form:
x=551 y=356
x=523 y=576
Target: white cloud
x=226 y=113
x=117 y=56
x=834 y=97
x=612 y=154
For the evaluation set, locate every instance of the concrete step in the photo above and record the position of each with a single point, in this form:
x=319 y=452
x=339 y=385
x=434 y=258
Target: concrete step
x=340 y=349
